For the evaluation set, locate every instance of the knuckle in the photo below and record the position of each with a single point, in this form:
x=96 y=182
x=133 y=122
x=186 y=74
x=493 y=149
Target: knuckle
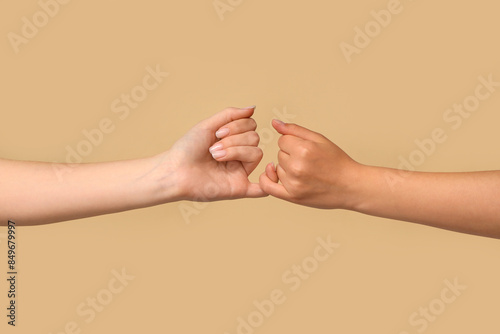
x=303 y=152
x=254 y=138
x=252 y=123
x=297 y=169
x=257 y=154
x=282 y=141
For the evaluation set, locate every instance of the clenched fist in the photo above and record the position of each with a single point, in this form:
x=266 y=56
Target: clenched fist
x=311 y=170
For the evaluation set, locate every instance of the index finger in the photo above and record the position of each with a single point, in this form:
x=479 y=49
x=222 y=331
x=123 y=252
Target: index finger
x=297 y=131
x=227 y=116
x=288 y=143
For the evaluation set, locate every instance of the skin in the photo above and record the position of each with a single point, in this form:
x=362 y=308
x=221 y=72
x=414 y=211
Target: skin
x=213 y=161
x=314 y=172
x=65 y=192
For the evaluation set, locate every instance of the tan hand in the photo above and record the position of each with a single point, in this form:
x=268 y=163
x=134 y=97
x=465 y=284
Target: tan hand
x=313 y=171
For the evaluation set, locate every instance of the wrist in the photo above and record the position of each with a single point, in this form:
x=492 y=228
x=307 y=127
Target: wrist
x=373 y=187
x=164 y=179
x=359 y=178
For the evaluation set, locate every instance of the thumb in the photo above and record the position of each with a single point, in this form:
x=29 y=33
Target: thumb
x=296 y=130
x=227 y=116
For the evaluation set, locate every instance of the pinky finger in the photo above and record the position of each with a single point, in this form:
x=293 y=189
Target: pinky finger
x=271 y=172
x=272 y=188
x=255 y=191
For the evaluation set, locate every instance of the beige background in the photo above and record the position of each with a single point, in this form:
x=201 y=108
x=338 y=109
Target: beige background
x=282 y=56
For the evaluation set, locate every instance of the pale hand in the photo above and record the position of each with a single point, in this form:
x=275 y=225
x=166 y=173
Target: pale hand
x=213 y=160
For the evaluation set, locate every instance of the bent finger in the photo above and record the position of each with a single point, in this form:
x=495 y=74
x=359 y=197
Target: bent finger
x=238 y=153
x=255 y=191
x=271 y=172
x=226 y=116
x=284 y=160
x=272 y=188
x=236 y=127
x=249 y=156
x=297 y=131
x=289 y=143
x=250 y=138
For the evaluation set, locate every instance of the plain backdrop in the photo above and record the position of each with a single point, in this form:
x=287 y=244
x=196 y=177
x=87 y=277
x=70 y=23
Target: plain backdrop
x=197 y=268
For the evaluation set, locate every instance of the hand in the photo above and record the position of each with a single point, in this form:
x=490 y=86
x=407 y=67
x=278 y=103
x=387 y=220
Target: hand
x=214 y=159
x=313 y=171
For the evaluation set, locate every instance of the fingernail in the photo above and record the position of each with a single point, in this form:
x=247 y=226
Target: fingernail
x=222 y=133
x=279 y=122
x=251 y=107
x=219 y=154
x=214 y=148
x=273 y=165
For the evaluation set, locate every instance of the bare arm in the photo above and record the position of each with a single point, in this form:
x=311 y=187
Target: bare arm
x=33 y=193
x=38 y=193
x=462 y=202
x=315 y=172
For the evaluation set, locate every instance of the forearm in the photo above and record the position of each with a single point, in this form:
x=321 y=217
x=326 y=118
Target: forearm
x=219 y=151
x=464 y=202
x=33 y=193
